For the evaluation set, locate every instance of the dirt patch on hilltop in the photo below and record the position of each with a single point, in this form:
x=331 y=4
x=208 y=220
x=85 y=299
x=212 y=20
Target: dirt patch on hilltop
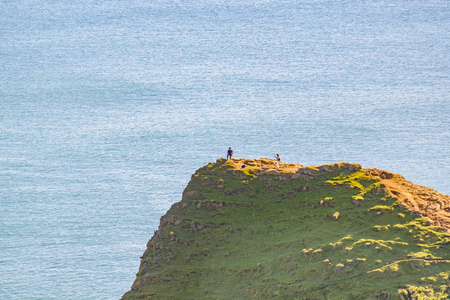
x=265 y=163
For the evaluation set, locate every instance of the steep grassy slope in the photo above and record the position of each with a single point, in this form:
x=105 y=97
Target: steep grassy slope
x=327 y=232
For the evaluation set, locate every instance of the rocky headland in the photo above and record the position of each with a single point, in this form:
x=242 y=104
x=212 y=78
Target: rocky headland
x=246 y=230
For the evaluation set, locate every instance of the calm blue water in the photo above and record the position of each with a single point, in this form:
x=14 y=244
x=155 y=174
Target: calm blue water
x=108 y=107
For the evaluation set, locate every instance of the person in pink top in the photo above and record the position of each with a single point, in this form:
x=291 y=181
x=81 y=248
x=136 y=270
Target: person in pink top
x=277 y=157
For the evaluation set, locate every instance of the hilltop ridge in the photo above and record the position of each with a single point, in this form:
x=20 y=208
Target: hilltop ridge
x=423 y=200
x=420 y=199
x=245 y=230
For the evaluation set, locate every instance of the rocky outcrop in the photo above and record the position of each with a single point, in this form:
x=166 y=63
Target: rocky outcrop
x=419 y=199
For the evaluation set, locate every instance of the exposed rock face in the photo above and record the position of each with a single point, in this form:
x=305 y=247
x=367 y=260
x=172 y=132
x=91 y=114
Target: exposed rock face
x=239 y=231
x=420 y=199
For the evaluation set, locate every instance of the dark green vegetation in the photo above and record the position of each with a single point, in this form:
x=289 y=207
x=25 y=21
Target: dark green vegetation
x=332 y=235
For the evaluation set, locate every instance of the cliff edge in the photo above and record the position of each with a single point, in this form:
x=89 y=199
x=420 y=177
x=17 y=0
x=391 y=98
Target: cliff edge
x=245 y=230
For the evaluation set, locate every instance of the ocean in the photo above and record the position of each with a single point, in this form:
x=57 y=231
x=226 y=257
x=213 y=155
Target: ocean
x=108 y=107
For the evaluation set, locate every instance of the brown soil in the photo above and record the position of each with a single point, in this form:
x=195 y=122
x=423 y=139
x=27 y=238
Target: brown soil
x=265 y=163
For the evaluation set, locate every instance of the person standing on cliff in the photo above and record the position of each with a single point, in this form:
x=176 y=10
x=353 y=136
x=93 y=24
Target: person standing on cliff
x=277 y=157
x=229 y=153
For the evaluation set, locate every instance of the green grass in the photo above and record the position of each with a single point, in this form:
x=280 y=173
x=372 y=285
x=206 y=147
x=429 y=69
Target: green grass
x=244 y=236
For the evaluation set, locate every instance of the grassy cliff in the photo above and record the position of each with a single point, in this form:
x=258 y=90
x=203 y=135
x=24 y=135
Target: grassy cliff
x=244 y=230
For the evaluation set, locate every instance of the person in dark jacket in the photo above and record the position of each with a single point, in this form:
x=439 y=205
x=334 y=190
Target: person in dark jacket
x=229 y=153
